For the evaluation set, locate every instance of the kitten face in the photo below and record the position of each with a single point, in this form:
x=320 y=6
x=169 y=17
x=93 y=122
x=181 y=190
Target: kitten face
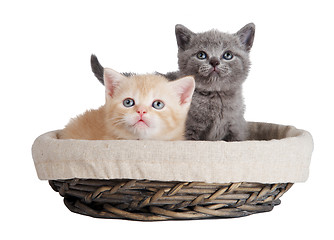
x=132 y=109
x=147 y=107
x=219 y=61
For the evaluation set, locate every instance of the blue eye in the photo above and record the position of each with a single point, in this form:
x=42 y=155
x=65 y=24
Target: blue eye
x=129 y=102
x=158 y=105
x=227 y=55
x=201 y=55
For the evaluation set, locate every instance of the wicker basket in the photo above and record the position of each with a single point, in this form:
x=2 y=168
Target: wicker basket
x=185 y=179
x=155 y=200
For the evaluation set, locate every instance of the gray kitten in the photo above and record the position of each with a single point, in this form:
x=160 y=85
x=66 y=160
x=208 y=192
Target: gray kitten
x=220 y=64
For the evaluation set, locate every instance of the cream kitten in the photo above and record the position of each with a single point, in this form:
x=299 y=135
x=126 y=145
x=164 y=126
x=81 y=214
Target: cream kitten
x=137 y=107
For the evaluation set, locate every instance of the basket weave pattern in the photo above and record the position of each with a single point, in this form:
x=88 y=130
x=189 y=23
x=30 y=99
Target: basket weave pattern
x=155 y=200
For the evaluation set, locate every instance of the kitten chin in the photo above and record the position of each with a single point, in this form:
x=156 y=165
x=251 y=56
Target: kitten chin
x=140 y=107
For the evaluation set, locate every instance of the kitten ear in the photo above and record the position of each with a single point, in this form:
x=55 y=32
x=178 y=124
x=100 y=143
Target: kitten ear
x=111 y=80
x=183 y=36
x=246 y=35
x=184 y=87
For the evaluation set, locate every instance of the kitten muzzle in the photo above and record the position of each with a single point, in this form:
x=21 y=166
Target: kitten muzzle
x=141 y=122
x=214 y=62
x=215 y=72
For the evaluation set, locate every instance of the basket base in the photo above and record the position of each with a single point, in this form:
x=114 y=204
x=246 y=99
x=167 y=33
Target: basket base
x=156 y=201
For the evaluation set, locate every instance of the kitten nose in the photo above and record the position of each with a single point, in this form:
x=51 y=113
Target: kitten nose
x=141 y=111
x=214 y=62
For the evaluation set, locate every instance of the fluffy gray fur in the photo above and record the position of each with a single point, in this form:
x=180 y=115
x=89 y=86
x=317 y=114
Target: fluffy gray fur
x=217 y=108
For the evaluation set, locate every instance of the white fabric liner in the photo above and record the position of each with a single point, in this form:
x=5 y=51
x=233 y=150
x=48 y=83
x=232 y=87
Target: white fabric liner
x=276 y=154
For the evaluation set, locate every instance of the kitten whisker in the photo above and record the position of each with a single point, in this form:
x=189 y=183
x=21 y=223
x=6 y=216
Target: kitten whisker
x=116 y=121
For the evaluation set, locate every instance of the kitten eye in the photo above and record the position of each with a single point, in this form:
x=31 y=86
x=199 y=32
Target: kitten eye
x=129 y=102
x=201 y=55
x=227 y=55
x=158 y=104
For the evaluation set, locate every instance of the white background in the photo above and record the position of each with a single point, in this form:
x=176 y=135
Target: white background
x=45 y=49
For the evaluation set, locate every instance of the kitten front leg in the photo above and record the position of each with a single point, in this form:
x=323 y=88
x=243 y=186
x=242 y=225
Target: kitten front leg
x=200 y=118
x=194 y=134
x=196 y=129
x=237 y=131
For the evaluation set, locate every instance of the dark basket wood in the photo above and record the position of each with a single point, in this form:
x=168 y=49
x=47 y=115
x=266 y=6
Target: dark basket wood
x=155 y=200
